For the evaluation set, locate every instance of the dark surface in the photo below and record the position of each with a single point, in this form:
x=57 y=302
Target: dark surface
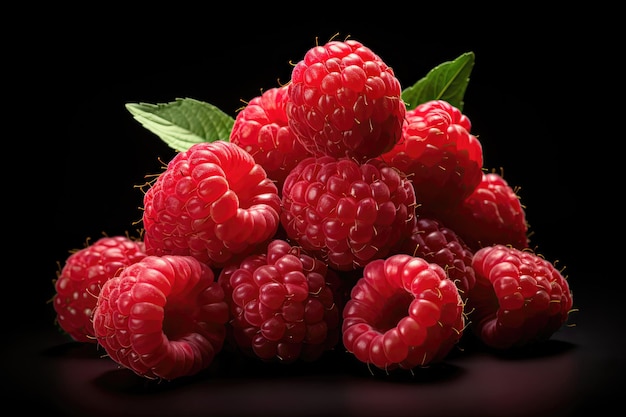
x=568 y=375
x=532 y=100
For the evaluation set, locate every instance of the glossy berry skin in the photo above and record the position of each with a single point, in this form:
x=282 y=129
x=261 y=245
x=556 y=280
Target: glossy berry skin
x=438 y=244
x=213 y=202
x=492 y=214
x=347 y=213
x=261 y=128
x=84 y=272
x=440 y=155
x=403 y=313
x=345 y=101
x=519 y=298
x=283 y=304
x=162 y=317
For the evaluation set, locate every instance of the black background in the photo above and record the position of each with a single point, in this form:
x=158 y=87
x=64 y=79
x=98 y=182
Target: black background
x=535 y=99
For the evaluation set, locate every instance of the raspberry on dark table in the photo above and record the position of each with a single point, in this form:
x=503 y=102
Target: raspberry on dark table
x=163 y=317
x=403 y=313
x=519 y=299
x=79 y=281
x=285 y=304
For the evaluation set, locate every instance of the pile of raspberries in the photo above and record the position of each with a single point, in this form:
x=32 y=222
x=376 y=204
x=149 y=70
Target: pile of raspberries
x=334 y=217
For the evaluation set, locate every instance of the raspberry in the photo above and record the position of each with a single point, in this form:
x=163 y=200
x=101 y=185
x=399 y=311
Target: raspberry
x=213 y=202
x=162 y=317
x=492 y=214
x=440 y=155
x=78 y=283
x=345 y=101
x=347 y=213
x=404 y=312
x=261 y=128
x=283 y=304
x=519 y=297
x=438 y=244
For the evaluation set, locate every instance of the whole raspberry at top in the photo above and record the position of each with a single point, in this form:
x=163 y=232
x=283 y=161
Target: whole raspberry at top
x=436 y=243
x=403 y=313
x=213 y=202
x=261 y=128
x=284 y=304
x=345 y=101
x=162 y=317
x=439 y=154
x=347 y=213
x=519 y=298
x=491 y=214
x=78 y=283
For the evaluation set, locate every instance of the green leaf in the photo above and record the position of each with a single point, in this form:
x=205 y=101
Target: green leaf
x=184 y=122
x=447 y=81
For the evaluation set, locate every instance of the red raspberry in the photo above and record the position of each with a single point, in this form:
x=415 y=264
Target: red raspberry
x=403 y=313
x=347 y=213
x=440 y=155
x=162 y=317
x=519 y=297
x=78 y=283
x=213 y=202
x=261 y=128
x=283 y=304
x=438 y=244
x=491 y=214
x=345 y=101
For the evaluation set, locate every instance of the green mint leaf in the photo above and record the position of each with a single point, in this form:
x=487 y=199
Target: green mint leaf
x=184 y=122
x=447 y=81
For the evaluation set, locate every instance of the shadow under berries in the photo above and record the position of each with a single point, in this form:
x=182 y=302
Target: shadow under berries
x=73 y=350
